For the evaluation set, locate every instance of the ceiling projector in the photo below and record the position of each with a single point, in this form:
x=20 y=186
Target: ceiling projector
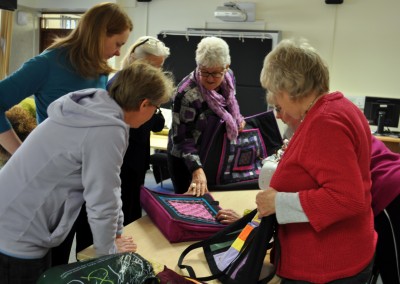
x=230 y=12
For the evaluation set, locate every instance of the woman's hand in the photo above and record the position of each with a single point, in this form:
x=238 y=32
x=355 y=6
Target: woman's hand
x=265 y=201
x=227 y=216
x=125 y=244
x=198 y=186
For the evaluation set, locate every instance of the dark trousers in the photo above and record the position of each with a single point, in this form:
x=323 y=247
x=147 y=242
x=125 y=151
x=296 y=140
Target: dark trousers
x=133 y=172
x=387 y=225
x=22 y=271
x=361 y=278
x=131 y=181
x=84 y=238
x=181 y=177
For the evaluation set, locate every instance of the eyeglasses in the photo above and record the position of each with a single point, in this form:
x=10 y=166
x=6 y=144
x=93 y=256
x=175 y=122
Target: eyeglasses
x=206 y=74
x=150 y=41
x=278 y=109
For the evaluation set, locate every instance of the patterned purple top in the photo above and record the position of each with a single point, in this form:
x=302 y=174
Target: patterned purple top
x=190 y=113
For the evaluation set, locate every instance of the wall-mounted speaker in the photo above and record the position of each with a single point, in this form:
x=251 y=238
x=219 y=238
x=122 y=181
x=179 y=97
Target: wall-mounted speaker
x=333 y=1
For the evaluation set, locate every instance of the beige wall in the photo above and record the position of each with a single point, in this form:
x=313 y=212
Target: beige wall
x=360 y=39
x=25 y=41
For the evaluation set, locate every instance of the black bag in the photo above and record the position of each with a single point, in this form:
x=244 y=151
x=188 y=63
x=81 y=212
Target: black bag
x=237 y=166
x=251 y=243
x=130 y=268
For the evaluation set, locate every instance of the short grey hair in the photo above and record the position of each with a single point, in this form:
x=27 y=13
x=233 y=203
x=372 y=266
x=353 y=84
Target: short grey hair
x=212 y=52
x=295 y=67
x=144 y=46
x=139 y=81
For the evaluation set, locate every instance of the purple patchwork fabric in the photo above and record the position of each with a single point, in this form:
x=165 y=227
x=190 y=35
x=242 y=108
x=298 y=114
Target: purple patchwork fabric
x=189 y=208
x=241 y=161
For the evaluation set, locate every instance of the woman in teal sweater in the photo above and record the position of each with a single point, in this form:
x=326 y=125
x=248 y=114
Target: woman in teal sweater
x=77 y=61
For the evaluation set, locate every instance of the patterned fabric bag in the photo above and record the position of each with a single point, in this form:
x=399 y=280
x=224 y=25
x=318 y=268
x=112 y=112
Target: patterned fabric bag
x=237 y=164
x=236 y=254
x=129 y=268
x=181 y=217
x=241 y=161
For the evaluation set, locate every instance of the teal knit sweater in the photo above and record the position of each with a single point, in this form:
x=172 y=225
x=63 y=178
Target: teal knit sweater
x=47 y=76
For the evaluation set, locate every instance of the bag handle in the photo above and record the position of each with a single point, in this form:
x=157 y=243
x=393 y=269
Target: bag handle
x=218 y=237
x=253 y=253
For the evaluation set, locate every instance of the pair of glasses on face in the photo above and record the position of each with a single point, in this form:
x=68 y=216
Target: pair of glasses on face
x=206 y=74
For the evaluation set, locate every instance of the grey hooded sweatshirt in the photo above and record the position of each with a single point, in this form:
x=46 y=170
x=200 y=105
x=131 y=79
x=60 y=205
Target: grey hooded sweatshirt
x=73 y=156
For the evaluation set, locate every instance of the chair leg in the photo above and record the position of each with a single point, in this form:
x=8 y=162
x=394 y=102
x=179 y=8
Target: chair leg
x=374 y=276
x=161 y=178
x=396 y=249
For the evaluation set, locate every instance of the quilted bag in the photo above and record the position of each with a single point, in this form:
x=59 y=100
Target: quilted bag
x=236 y=254
x=236 y=164
x=182 y=217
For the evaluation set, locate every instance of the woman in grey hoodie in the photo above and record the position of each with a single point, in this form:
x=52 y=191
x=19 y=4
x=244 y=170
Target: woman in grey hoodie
x=74 y=156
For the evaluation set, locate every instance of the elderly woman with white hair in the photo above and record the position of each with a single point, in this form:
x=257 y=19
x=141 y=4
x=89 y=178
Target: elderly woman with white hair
x=207 y=91
x=150 y=50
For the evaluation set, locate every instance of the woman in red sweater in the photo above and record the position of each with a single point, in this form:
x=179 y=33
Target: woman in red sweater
x=320 y=191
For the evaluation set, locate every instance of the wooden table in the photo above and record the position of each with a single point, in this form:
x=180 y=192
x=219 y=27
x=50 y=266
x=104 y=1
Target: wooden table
x=153 y=246
x=159 y=140
x=392 y=143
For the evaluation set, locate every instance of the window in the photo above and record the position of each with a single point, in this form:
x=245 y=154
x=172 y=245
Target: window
x=59 y=21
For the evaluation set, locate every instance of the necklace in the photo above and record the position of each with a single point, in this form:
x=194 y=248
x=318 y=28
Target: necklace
x=308 y=108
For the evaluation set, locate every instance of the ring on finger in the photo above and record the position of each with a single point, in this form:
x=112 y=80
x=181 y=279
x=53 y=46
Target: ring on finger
x=193 y=185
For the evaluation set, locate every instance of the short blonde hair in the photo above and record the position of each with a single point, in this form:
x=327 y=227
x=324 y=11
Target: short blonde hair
x=213 y=52
x=143 y=47
x=141 y=81
x=296 y=68
x=85 y=44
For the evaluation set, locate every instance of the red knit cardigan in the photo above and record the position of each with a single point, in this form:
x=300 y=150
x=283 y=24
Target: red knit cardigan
x=328 y=163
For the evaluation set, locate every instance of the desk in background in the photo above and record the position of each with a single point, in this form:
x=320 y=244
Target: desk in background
x=152 y=244
x=392 y=143
x=159 y=140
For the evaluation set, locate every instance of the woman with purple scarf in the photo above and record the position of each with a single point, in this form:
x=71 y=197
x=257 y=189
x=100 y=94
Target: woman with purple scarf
x=207 y=91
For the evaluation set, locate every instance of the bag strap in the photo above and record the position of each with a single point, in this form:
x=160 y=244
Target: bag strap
x=257 y=252
x=254 y=253
x=220 y=236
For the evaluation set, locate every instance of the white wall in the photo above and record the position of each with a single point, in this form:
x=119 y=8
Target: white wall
x=58 y=5
x=25 y=38
x=359 y=39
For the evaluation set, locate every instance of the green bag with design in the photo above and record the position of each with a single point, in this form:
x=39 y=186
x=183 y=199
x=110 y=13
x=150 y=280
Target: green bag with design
x=110 y=269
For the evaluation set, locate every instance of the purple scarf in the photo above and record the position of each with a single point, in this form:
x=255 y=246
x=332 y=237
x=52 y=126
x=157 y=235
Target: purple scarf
x=218 y=103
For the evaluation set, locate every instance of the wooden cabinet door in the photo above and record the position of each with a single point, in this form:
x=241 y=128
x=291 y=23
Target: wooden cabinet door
x=47 y=36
